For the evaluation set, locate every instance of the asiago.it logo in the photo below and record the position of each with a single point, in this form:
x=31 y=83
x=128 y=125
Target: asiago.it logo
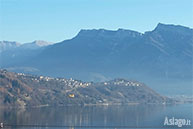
x=176 y=122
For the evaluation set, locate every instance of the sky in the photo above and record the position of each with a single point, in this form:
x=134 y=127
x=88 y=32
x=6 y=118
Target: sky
x=56 y=20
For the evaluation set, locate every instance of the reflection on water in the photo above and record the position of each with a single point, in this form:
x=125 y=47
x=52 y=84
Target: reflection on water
x=135 y=115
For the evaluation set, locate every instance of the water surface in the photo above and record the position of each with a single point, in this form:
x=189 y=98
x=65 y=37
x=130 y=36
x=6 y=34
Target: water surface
x=94 y=116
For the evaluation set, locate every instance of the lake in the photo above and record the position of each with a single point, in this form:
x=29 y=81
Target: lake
x=86 y=117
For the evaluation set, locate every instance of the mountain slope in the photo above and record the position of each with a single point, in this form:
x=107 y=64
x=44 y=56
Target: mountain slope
x=165 y=52
x=15 y=54
x=17 y=89
x=6 y=45
x=162 y=56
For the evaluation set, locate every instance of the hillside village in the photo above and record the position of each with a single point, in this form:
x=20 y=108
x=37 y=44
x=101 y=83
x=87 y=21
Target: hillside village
x=19 y=89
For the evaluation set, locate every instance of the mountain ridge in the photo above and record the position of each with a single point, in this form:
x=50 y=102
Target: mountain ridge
x=13 y=45
x=164 y=54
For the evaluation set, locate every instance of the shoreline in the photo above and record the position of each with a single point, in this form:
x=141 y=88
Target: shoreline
x=102 y=104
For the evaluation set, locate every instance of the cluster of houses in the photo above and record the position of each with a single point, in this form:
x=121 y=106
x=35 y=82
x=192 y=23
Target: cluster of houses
x=75 y=83
x=123 y=83
x=68 y=82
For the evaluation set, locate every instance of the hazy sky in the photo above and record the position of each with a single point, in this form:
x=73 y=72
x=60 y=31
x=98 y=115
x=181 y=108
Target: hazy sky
x=57 y=20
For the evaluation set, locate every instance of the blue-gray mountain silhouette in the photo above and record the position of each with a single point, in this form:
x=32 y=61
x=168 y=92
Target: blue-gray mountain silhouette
x=164 y=54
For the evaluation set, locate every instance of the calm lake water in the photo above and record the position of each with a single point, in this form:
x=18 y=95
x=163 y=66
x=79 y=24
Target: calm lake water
x=94 y=116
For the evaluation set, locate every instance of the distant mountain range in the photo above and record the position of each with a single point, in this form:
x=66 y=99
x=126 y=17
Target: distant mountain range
x=162 y=56
x=20 y=90
x=7 y=45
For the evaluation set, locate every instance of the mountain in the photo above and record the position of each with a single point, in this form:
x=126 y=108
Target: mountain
x=14 y=53
x=12 y=45
x=6 y=45
x=18 y=89
x=161 y=57
x=35 y=44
